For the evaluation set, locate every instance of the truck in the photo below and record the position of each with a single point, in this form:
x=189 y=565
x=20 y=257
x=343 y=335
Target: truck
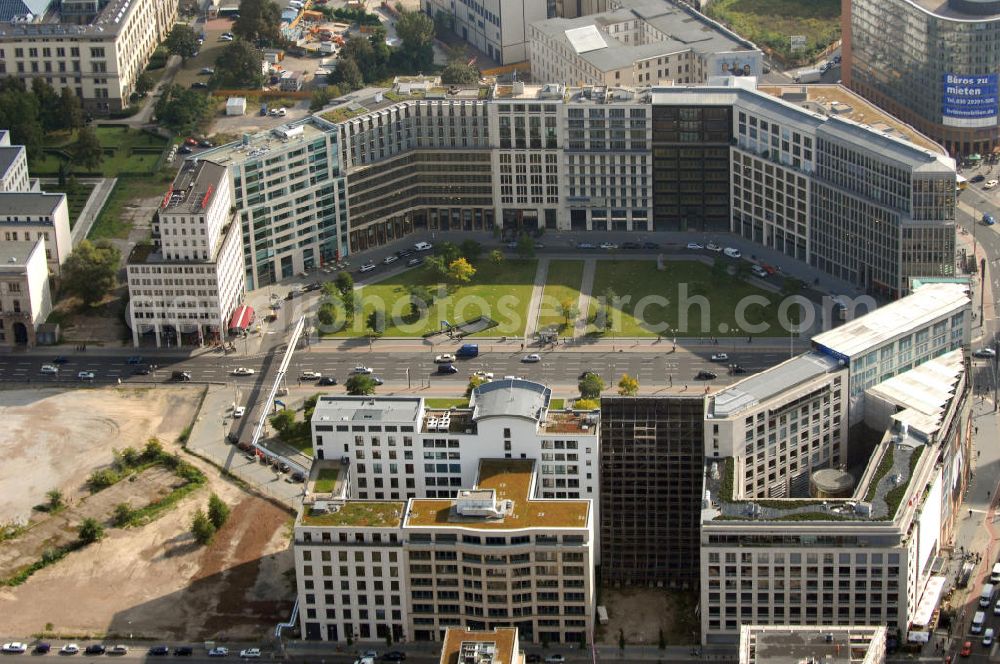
x=468 y=350
x=809 y=76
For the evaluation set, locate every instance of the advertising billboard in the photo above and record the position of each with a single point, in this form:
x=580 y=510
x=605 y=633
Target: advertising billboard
x=969 y=101
x=735 y=63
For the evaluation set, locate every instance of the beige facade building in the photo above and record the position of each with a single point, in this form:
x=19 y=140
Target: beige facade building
x=96 y=48
x=25 y=300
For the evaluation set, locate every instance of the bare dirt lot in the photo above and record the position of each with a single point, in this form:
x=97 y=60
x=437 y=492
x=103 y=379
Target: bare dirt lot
x=150 y=581
x=54 y=439
x=642 y=612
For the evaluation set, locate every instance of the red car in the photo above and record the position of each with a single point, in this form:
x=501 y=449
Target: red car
x=966 y=649
x=191 y=141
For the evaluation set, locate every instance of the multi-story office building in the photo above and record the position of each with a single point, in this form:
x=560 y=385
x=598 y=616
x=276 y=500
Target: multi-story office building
x=184 y=287
x=494 y=556
x=780 y=426
x=96 y=48
x=25 y=300
x=940 y=75
x=796 y=644
x=652 y=453
x=934 y=319
x=467 y=646
x=289 y=194
x=399 y=448
x=641 y=42
x=13 y=165
x=498 y=28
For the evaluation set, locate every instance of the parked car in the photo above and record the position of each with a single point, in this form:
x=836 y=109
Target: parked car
x=14 y=647
x=243 y=371
x=720 y=357
x=42 y=648
x=183 y=651
x=239 y=411
x=310 y=375
x=423 y=246
x=69 y=649
x=181 y=376
x=226 y=38
x=485 y=376
x=185 y=149
x=49 y=369
x=377 y=380
x=207 y=70
x=298 y=476
x=758 y=271
x=403 y=253
x=447 y=369
x=414 y=261
x=694 y=246
x=711 y=246
x=966 y=649
x=732 y=252
x=250 y=652
x=370 y=653
x=390 y=259
x=608 y=246
x=362 y=369
x=95 y=649
x=444 y=358
x=991 y=184
x=585 y=245
x=977 y=178
x=989 y=219
x=218 y=651
x=985 y=353
x=534 y=658
x=205 y=143
x=555 y=659
x=394 y=656
x=705 y=375
x=650 y=245
x=630 y=245
x=159 y=651
x=367 y=267
x=327 y=380
x=199 y=85
x=736 y=369
x=85 y=375
x=532 y=358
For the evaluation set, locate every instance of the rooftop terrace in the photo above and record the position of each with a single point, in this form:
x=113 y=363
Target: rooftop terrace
x=260 y=144
x=503 y=638
x=513 y=480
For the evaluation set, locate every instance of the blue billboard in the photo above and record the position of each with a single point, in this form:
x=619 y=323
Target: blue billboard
x=969 y=101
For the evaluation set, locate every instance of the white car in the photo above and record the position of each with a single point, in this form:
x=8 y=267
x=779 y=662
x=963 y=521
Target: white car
x=423 y=246
x=218 y=651
x=310 y=375
x=484 y=375
x=711 y=246
x=608 y=246
x=15 y=647
x=694 y=246
x=239 y=411
x=85 y=375
x=250 y=652
x=996 y=608
x=226 y=37
x=69 y=649
x=533 y=357
x=555 y=659
x=392 y=258
x=367 y=267
x=585 y=245
x=720 y=357
x=242 y=371
x=282 y=112
x=444 y=358
x=991 y=184
x=118 y=650
x=732 y=252
x=362 y=369
x=49 y=369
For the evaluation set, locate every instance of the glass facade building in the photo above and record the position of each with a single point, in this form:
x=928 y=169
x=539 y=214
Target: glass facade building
x=939 y=70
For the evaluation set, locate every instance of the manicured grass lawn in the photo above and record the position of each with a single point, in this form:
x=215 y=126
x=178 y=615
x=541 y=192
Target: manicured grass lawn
x=562 y=283
x=75 y=200
x=656 y=297
x=458 y=402
x=121 y=155
x=500 y=291
x=769 y=23
x=326 y=480
x=110 y=223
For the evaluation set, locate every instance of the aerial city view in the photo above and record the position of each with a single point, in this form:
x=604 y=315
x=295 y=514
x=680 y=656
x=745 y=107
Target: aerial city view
x=500 y=331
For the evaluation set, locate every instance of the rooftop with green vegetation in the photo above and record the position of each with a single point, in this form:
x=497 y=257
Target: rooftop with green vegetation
x=358 y=513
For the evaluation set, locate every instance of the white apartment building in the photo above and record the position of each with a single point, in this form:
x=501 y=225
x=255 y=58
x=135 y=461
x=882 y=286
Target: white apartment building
x=781 y=425
x=25 y=300
x=864 y=559
x=290 y=198
x=399 y=448
x=934 y=319
x=28 y=216
x=13 y=165
x=184 y=288
x=468 y=646
x=795 y=644
x=96 y=48
x=498 y=28
x=640 y=42
x=494 y=556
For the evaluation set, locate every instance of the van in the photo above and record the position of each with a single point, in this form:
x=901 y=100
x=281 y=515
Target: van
x=732 y=252
x=180 y=375
x=423 y=246
x=977 y=622
x=995 y=574
x=468 y=350
x=986 y=596
x=988 y=637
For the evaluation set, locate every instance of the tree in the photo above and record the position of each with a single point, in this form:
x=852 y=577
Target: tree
x=218 y=511
x=320 y=98
x=55 y=497
x=348 y=299
x=628 y=386
x=344 y=281
x=421 y=298
x=144 y=84
x=90 y=271
x=496 y=257
x=461 y=271
x=327 y=314
x=259 y=20
x=360 y=385
x=202 y=528
x=123 y=515
x=182 y=40
x=90 y=531
x=591 y=386
x=448 y=251
x=568 y=310
x=437 y=266
x=70 y=110
x=459 y=73
x=87 y=150
x=474 y=382
x=444 y=22
x=238 y=66
x=48 y=104
x=525 y=246
x=587 y=404
x=416 y=30
x=376 y=322
x=19 y=113
x=348 y=74
x=471 y=250
x=283 y=421
x=180 y=109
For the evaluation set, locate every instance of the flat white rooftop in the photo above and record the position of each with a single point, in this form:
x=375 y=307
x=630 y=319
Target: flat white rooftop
x=929 y=302
x=923 y=392
x=770 y=383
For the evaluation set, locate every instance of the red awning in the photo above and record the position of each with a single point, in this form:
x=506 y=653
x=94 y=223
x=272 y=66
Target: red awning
x=242 y=318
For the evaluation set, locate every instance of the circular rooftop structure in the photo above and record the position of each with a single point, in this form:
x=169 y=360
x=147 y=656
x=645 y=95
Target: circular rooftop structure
x=831 y=483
